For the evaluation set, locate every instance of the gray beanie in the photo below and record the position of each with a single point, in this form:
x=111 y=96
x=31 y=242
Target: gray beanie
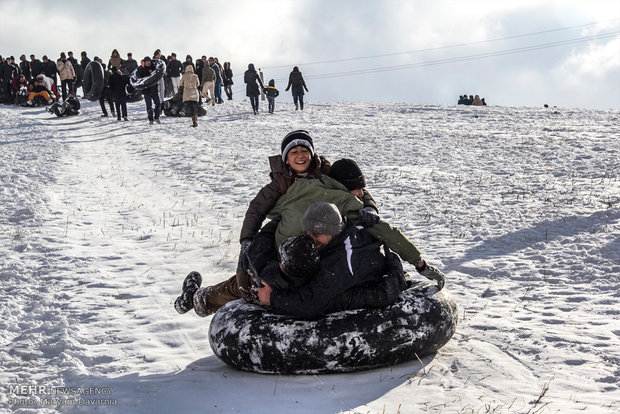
x=322 y=218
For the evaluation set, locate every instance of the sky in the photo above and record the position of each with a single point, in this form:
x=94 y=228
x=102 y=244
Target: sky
x=512 y=53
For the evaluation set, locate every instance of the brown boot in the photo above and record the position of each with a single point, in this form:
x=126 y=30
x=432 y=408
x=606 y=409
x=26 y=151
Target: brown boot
x=194 y=121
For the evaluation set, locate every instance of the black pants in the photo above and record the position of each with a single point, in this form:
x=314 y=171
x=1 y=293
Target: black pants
x=120 y=102
x=106 y=96
x=153 y=105
x=66 y=84
x=299 y=98
x=254 y=102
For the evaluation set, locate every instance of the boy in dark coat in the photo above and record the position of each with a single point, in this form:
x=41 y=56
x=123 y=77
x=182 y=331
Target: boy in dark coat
x=349 y=257
x=272 y=93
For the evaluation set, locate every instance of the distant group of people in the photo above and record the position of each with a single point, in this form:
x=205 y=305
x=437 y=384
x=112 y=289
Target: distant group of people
x=471 y=100
x=34 y=82
x=254 y=85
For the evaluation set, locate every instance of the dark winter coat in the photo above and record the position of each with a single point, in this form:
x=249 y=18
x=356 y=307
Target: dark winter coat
x=271 y=92
x=117 y=85
x=353 y=258
x=264 y=265
x=79 y=72
x=282 y=177
x=200 y=65
x=252 y=80
x=296 y=81
x=50 y=70
x=6 y=72
x=24 y=67
x=84 y=62
x=129 y=66
x=228 y=75
x=174 y=68
x=36 y=67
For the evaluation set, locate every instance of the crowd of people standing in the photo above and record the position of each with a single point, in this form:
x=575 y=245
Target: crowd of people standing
x=37 y=82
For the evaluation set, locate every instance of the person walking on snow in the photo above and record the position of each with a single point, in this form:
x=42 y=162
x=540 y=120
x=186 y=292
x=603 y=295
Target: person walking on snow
x=191 y=95
x=296 y=81
x=272 y=93
x=151 y=94
x=252 y=81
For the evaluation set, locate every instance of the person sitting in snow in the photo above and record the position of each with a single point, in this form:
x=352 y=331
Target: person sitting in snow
x=70 y=106
x=20 y=89
x=39 y=92
x=272 y=93
x=304 y=268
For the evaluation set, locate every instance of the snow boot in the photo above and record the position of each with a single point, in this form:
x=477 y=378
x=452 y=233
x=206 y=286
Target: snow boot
x=194 y=121
x=191 y=284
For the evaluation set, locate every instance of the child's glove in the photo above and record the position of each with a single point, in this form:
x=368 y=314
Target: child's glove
x=432 y=273
x=243 y=264
x=368 y=217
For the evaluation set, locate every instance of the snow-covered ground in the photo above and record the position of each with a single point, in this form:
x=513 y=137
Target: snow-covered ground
x=101 y=221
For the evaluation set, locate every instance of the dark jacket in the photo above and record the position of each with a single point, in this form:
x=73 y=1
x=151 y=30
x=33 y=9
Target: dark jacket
x=252 y=80
x=6 y=72
x=117 y=85
x=352 y=259
x=84 y=62
x=24 y=67
x=36 y=67
x=282 y=177
x=174 y=68
x=129 y=66
x=296 y=81
x=271 y=92
x=50 y=70
x=228 y=75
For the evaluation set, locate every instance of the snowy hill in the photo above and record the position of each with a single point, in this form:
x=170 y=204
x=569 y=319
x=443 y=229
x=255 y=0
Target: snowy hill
x=101 y=221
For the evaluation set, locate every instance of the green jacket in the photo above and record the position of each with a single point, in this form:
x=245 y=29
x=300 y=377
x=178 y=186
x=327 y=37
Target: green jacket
x=292 y=206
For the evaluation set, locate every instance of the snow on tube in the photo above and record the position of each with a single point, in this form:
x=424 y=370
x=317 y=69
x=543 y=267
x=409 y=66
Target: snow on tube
x=92 y=85
x=249 y=338
x=152 y=79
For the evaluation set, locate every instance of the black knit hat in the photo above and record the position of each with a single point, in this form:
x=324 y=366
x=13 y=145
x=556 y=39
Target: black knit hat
x=322 y=218
x=348 y=173
x=298 y=257
x=295 y=139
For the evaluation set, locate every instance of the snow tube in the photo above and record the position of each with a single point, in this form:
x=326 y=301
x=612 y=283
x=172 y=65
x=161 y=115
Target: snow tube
x=92 y=85
x=152 y=79
x=249 y=338
x=132 y=94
